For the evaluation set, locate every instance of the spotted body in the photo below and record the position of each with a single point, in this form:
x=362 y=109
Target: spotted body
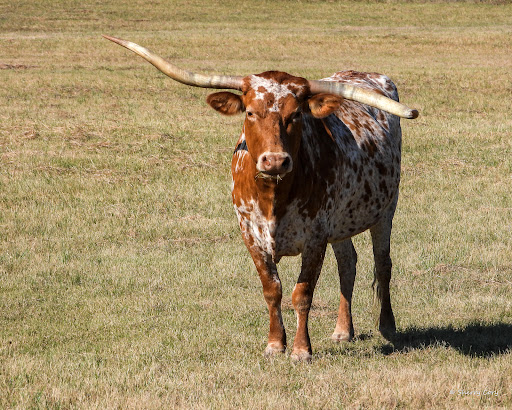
x=343 y=180
x=349 y=173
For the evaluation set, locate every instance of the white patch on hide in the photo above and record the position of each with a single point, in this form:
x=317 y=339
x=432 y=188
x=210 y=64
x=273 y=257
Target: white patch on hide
x=279 y=91
x=239 y=162
x=253 y=223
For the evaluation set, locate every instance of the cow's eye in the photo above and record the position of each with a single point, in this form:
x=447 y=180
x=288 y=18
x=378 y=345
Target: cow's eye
x=252 y=116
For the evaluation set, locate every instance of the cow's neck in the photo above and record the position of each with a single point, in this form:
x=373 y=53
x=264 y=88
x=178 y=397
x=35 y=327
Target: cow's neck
x=273 y=195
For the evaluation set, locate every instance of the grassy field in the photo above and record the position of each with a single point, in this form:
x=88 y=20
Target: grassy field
x=124 y=282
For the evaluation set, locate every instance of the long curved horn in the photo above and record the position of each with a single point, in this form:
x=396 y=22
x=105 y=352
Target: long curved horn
x=364 y=96
x=178 y=74
x=235 y=82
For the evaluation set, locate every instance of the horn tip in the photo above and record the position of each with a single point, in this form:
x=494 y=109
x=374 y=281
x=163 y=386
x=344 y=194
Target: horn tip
x=413 y=114
x=114 y=39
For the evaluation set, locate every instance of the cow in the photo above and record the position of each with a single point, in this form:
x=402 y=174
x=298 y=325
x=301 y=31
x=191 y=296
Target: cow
x=317 y=162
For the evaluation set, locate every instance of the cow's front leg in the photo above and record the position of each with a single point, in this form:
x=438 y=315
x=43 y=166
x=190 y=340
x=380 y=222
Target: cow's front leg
x=302 y=297
x=272 y=291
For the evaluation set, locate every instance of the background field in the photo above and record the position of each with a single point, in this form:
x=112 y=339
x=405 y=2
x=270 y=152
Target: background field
x=124 y=282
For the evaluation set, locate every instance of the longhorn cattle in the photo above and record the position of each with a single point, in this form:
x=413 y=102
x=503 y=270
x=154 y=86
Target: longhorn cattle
x=317 y=162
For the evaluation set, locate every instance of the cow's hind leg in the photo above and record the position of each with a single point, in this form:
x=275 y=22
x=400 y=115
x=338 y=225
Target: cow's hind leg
x=272 y=291
x=381 y=234
x=346 y=257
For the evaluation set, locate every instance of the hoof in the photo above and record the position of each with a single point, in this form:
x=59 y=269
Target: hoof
x=387 y=326
x=301 y=357
x=388 y=332
x=342 y=337
x=273 y=350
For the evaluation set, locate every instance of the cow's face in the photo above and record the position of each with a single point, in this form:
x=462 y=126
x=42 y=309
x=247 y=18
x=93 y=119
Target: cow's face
x=274 y=104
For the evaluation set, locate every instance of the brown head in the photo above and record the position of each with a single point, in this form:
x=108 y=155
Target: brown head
x=274 y=103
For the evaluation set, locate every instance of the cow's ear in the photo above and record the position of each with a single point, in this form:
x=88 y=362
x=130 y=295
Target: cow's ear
x=322 y=105
x=226 y=103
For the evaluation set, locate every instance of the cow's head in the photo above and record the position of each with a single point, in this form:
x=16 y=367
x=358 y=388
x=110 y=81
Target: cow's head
x=274 y=103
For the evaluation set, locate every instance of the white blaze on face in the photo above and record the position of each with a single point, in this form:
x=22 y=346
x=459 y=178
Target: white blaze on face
x=278 y=91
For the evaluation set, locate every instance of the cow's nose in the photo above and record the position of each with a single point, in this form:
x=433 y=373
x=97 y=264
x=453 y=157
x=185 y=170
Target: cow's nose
x=275 y=163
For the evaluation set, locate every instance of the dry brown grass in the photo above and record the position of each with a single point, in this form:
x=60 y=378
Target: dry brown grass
x=123 y=280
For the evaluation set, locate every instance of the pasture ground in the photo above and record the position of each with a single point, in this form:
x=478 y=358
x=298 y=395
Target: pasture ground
x=124 y=282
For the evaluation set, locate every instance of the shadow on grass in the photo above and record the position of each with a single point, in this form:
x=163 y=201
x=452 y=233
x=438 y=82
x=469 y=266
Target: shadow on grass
x=475 y=340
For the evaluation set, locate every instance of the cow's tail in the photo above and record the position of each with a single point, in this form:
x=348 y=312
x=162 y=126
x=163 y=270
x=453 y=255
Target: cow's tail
x=377 y=296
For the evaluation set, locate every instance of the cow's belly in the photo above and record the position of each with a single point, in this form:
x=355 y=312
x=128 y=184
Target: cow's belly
x=293 y=234
x=348 y=221
x=344 y=215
